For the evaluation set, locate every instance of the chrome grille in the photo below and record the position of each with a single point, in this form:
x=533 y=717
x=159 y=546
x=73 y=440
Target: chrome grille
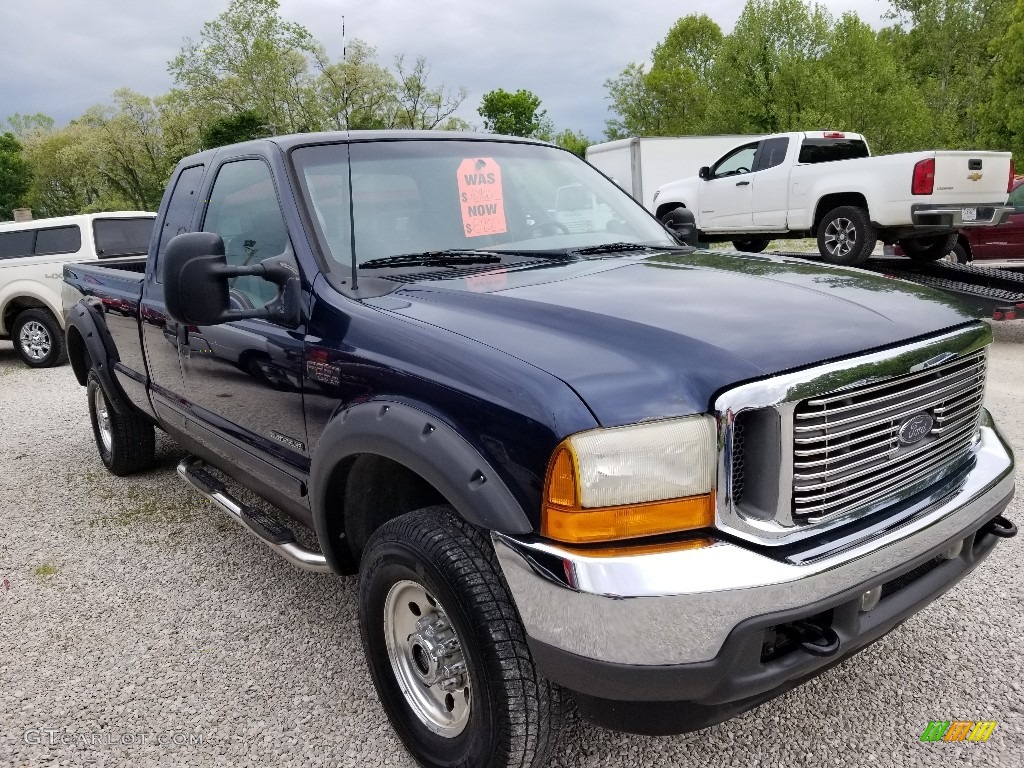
x=738 y=458
x=848 y=455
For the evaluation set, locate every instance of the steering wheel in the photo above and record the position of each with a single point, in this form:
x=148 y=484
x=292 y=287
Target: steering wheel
x=536 y=229
x=740 y=170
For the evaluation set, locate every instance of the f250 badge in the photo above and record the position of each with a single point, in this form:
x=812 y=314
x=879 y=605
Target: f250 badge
x=914 y=429
x=290 y=441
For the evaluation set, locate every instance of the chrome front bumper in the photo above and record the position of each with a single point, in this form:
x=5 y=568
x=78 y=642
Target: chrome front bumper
x=678 y=607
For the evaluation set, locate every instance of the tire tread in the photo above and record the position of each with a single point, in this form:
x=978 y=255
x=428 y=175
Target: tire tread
x=133 y=437
x=528 y=727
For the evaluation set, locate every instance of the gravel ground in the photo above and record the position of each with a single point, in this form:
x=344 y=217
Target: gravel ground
x=138 y=627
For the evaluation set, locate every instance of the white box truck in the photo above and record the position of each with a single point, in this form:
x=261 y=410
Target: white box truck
x=640 y=166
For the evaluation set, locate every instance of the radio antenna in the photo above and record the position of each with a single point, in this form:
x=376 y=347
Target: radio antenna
x=344 y=63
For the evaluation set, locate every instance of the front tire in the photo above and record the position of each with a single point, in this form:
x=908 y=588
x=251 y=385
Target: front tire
x=38 y=338
x=846 y=236
x=447 y=650
x=126 y=442
x=751 y=244
x=929 y=248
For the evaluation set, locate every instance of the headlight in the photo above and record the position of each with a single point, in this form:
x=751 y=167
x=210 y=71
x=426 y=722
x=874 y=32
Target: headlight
x=627 y=482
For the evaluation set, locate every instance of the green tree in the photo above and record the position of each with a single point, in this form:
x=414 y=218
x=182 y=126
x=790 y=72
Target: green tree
x=765 y=75
x=15 y=174
x=945 y=45
x=131 y=157
x=250 y=59
x=674 y=96
x=1003 y=116
x=869 y=91
x=636 y=108
x=419 y=105
x=575 y=141
x=241 y=126
x=357 y=92
x=512 y=114
x=65 y=176
x=24 y=126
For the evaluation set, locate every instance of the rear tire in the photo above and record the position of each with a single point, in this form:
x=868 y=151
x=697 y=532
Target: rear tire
x=959 y=254
x=846 y=236
x=751 y=244
x=126 y=442
x=38 y=338
x=930 y=248
x=431 y=600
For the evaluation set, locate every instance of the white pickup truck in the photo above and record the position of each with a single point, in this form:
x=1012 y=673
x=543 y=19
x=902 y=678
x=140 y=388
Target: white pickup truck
x=32 y=256
x=826 y=184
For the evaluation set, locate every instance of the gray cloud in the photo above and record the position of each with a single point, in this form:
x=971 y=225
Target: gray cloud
x=60 y=57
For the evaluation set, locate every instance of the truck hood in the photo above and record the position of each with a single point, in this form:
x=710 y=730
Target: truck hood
x=660 y=335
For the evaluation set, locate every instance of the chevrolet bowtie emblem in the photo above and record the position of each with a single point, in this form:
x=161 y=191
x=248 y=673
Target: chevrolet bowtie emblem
x=974 y=176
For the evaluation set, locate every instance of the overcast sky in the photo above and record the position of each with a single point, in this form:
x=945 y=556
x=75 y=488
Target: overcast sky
x=59 y=57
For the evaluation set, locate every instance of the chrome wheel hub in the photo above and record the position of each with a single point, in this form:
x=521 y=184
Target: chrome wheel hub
x=34 y=340
x=840 y=237
x=426 y=657
x=103 y=419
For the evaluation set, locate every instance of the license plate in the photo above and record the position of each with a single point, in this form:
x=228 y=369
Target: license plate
x=970 y=214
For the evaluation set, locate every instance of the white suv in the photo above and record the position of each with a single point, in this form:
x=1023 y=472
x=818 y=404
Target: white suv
x=32 y=254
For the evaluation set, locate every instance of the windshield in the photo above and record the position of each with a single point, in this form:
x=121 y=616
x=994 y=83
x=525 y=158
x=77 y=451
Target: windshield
x=411 y=197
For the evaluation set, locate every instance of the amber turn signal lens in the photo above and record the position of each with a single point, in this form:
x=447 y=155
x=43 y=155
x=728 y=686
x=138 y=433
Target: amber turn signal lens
x=630 y=521
x=561 y=485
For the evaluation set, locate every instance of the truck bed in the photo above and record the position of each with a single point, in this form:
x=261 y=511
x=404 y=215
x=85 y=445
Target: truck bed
x=115 y=285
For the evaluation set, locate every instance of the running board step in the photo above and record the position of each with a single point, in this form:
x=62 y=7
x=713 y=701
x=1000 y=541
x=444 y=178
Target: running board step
x=257 y=522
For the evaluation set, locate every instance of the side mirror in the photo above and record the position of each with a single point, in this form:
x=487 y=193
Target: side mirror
x=680 y=223
x=196 y=276
x=704 y=173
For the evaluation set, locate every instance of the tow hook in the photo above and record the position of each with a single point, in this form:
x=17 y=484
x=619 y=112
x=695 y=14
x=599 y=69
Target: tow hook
x=816 y=640
x=1001 y=527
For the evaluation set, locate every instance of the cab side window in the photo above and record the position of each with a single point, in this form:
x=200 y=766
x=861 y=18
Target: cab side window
x=739 y=161
x=244 y=211
x=180 y=208
x=772 y=153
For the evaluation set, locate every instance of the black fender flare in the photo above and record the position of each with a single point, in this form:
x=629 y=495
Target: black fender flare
x=92 y=333
x=425 y=444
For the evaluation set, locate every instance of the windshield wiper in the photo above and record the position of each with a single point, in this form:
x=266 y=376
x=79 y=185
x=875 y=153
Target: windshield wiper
x=609 y=248
x=433 y=259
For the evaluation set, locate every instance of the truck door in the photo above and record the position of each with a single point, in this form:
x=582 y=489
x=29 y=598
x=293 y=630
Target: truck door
x=770 y=184
x=243 y=380
x=160 y=330
x=726 y=197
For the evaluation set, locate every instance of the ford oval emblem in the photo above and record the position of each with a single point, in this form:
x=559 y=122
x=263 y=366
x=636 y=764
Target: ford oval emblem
x=916 y=428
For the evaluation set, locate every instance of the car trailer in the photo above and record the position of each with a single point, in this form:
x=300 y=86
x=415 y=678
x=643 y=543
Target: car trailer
x=997 y=294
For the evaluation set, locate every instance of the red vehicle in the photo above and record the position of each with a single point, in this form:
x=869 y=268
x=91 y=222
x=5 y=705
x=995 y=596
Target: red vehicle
x=1000 y=246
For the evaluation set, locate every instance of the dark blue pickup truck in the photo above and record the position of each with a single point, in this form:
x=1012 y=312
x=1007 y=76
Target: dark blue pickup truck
x=567 y=455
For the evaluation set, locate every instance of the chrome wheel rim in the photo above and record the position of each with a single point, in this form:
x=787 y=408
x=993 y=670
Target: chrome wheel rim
x=103 y=419
x=34 y=340
x=840 y=237
x=426 y=657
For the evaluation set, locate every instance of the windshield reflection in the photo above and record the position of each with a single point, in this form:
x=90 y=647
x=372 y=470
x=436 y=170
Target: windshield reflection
x=414 y=196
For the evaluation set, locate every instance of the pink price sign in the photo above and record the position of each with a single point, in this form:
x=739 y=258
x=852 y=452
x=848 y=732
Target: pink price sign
x=483 y=211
